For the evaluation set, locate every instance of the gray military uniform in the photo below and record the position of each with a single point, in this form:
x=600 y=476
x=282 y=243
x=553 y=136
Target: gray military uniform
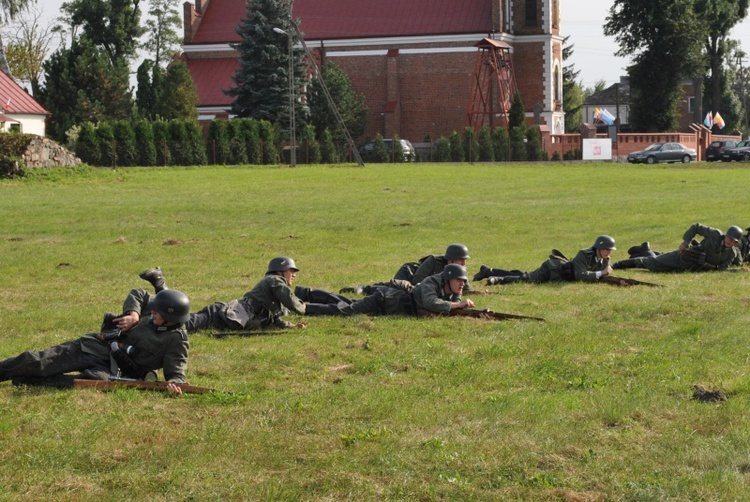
x=717 y=255
x=396 y=298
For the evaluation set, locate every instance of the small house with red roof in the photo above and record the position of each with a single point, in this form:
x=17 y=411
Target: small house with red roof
x=414 y=60
x=19 y=111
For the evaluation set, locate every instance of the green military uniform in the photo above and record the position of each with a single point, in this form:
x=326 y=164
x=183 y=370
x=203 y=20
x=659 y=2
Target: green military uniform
x=583 y=267
x=710 y=254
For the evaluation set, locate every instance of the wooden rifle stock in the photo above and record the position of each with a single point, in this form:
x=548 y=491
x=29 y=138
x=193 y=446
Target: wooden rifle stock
x=115 y=383
x=623 y=281
x=488 y=314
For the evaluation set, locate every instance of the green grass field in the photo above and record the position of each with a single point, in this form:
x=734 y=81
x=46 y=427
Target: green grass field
x=594 y=404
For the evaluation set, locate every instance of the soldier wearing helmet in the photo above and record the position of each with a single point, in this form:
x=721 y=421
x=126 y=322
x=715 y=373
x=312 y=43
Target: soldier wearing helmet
x=589 y=265
x=264 y=305
x=416 y=272
x=158 y=341
x=717 y=251
x=438 y=294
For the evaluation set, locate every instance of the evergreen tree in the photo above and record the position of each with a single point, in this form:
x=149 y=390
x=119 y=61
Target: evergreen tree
x=517 y=143
x=501 y=144
x=486 y=150
x=218 y=141
x=144 y=141
x=268 y=138
x=251 y=133
x=442 y=150
x=379 y=151
x=350 y=104
x=106 y=140
x=310 y=145
x=144 y=95
x=397 y=151
x=179 y=144
x=572 y=91
x=161 y=143
x=87 y=145
x=82 y=85
x=262 y=80
x=328 y=152
x=177 y=96
x=471 y=146
x=534 y=144
x=517 y=114
x=457 y=147
x=196 y=143
x=124 y=143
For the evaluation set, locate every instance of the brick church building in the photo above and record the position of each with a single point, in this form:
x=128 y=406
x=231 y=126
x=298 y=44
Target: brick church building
x=414 y=60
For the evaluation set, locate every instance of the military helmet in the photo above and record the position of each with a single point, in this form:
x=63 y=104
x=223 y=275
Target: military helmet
x=456 y=252
x=604 y=242
x=454 y=271
x=734 y=232
x=172 y=305
x=281 y=264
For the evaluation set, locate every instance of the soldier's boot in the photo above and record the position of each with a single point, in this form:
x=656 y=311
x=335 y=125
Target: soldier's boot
x=623 y=264
x=508 y=279
x=155 y=277
x=484 y=273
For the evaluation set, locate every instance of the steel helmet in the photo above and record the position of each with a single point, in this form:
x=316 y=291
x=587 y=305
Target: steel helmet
x=734 y=232
x=281 y=264
x=172 y=305
x=604 y=242
x=454 y=271
x=457 y=252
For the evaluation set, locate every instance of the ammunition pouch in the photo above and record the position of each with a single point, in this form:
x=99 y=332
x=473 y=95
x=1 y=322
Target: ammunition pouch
x=127 y=366
x=695 y=257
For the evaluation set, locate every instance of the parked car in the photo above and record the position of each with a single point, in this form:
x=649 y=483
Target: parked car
x=410 y=154
x=716 y=148
x=663 y=152
x=741 y=151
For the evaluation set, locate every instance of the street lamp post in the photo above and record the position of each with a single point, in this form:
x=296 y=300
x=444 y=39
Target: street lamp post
x=292 y=121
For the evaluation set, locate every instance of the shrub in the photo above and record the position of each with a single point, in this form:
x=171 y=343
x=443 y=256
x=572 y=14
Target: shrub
x=457 y=147
x=397 y=151
x=178 y=143
x=471 y=147
x=218 y=141
x=501 y=144
x=310 y=148
x=161 y=142
x=442 y=150
x=105 y=138
x=328 y=152
x=268 y=137
x=87 y=144
x=486 y=150
x=534 y=144
x=124 y=143
x=11 y=166
x=196 y=143
x=517 y=143
x=144 y=142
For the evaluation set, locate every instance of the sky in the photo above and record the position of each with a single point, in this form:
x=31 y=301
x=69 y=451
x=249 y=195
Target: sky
x=593 y=53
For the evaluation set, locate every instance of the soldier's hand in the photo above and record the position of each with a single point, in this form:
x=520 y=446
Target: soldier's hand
x=128 y=321
x=174 y=388
x=468 y=304
x=607 y=270
x=682 y=247
x=300 y=325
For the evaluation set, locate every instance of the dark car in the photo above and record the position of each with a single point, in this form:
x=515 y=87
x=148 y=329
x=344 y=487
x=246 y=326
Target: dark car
x=410 y=154
x=663 y=152
x=716 y=148
x=741 y=151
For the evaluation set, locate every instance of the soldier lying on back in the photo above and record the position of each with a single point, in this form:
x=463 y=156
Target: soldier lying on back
x=717 y=251
x=158 y=341
x=589 y=265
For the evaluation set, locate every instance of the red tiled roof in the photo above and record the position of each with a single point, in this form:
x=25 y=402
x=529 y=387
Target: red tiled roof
x=21 y=102
x=332 y=19
x=211 y=77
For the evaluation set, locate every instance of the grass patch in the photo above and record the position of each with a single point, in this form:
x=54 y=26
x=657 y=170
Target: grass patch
x=594 y=404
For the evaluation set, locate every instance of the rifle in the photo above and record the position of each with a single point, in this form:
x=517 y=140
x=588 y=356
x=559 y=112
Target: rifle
x=479 y=292
x=115 y=382
x=622 y=281
x=488 y=314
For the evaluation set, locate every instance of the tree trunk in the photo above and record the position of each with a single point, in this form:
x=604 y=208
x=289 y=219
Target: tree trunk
x=3 y=61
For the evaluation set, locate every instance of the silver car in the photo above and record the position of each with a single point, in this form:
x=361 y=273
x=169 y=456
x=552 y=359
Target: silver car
x=663 y=152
